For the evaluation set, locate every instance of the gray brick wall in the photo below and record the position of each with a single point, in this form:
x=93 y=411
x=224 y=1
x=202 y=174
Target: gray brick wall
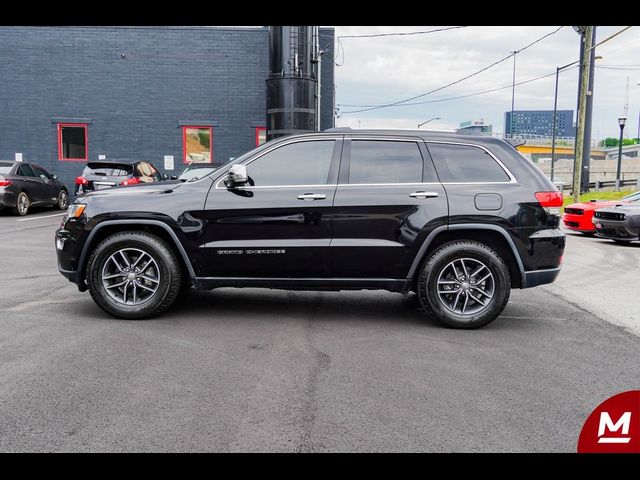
x=135 y=85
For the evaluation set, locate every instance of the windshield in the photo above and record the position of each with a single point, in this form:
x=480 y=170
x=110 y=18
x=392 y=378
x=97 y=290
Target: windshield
x=191 y=173
x=634 y=197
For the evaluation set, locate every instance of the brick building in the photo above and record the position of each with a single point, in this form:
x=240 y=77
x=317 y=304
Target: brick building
x=73 y=94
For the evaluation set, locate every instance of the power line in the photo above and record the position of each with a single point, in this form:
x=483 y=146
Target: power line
x=540 y=77
x=392 y=104
x=374 y=35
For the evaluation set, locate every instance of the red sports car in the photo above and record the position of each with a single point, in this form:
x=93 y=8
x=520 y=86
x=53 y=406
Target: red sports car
x=578 y=216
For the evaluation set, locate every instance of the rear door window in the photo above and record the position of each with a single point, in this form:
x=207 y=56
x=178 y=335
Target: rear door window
x=26 y=171
x=380 y=161
x=465 y=164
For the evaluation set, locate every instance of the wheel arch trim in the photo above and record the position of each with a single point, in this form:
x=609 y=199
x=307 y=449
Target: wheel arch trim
x=466 y=226
x=106 y=223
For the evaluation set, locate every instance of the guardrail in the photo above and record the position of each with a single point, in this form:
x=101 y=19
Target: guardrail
x=605 y=183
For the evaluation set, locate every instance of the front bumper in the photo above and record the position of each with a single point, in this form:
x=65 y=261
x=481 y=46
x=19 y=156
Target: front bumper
x=577 y=223
x=615 y=229
x=68 y=251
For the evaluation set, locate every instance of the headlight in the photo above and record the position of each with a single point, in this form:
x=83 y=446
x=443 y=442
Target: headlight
x=75 y=210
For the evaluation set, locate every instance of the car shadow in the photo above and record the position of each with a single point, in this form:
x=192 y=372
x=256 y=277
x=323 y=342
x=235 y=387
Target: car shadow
x=355 y=307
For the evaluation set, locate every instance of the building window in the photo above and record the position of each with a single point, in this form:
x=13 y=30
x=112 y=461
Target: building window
x=72 y=141
x=261 y=135
x=197 y=144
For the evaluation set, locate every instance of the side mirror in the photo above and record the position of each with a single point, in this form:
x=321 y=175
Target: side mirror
x=165 y=176
x=237 y=176
x=173 y=177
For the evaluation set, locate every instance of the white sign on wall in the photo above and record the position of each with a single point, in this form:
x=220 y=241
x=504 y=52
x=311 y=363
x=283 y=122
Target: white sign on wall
x=18 y=157
x=102 y=157
x=168 y=162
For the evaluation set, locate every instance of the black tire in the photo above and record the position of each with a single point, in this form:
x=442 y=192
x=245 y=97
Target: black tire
x=475 y=254
x=23 y=203
x=588 y=234
x=169 y=274
x=63 y=200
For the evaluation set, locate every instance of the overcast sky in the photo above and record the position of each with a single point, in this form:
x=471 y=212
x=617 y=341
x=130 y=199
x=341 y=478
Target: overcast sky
x=387 y=69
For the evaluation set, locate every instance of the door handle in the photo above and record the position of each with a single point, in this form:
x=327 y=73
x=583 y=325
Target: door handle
x=423 y=194
x=312 y=196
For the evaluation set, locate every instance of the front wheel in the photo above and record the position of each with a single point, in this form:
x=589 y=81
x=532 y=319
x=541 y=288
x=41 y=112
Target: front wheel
x=464 y=284
x=134 y=275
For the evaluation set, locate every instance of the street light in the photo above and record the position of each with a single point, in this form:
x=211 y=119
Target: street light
x=555 y=112
x=621 y=121
x=424 y=123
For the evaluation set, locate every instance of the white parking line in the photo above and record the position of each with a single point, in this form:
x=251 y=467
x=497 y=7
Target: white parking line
x=38 y=218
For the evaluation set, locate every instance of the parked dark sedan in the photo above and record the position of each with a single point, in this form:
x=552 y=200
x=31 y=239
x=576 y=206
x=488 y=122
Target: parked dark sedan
x=26 y=184
x=620 y=223
x=107 y=174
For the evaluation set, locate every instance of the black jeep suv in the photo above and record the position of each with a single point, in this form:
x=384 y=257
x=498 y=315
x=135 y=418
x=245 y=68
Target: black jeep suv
x=458 y=219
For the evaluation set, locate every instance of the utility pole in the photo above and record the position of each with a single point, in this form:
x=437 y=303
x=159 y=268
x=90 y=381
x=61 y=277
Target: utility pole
x=513 y=92
x=586 y=156
x=582 y=111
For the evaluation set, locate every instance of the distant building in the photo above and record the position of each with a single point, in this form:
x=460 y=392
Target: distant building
x=475 y=127
x=539 y=122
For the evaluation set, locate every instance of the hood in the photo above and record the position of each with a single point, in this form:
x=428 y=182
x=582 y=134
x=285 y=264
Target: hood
x=596 y=204
x=631 y=208
x=139 y=189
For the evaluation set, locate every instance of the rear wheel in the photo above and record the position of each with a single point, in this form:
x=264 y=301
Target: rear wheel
x=134 y=275
x=63 y=200
x=464 y=284
x=23 y=203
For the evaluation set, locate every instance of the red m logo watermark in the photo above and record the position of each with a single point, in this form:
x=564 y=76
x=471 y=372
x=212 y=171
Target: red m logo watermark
x=614 y=426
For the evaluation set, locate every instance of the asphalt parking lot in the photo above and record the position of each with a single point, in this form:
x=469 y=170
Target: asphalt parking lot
x=261 y=370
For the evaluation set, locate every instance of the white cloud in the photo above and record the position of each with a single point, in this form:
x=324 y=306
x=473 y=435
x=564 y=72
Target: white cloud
x=387 y=69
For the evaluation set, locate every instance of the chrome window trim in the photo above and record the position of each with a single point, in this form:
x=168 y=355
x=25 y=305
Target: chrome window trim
x=512 y=178
x=282 y=144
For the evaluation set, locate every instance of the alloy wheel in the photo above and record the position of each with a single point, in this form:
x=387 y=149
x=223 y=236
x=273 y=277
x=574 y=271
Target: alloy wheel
x=466 y=286
x=130 y=276
x=23 y=204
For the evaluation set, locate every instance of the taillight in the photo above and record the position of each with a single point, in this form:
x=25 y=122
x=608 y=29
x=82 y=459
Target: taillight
x=130 y=181
x=82 y=181
x=550 y=201
x=4 y=183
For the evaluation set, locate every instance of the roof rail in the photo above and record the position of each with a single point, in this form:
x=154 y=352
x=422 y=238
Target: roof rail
x=515 y=142
x=339 y=129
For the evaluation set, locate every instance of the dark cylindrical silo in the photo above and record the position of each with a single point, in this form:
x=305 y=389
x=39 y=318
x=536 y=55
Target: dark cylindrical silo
x=291 y=86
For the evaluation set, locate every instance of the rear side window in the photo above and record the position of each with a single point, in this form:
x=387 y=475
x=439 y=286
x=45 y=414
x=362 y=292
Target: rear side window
x=379 y=161
x=107 y=172
x=465 y=163
x=26 y=171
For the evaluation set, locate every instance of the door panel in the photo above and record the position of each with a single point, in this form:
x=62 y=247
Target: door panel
x=33 y=184
x=275 y=231
x=378 y=227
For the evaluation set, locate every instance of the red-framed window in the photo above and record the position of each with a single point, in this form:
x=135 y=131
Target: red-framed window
x=73 y=142
x=197 y=144
x=261 y=135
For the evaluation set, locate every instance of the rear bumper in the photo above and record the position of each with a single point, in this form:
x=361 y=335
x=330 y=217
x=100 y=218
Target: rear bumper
x=540 y=277
x=7 y=198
